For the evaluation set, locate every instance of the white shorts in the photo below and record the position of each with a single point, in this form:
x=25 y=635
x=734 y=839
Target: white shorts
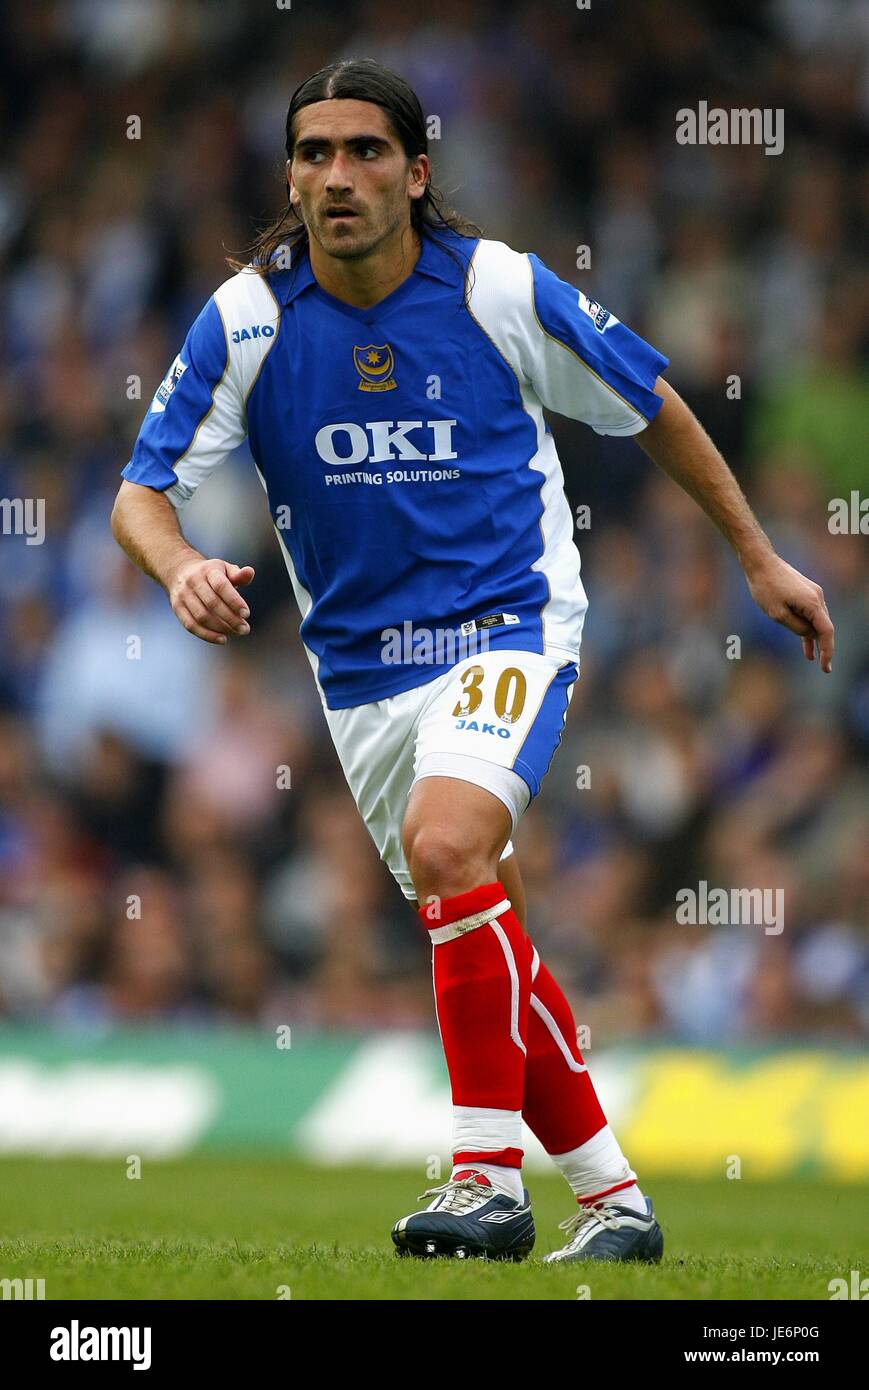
x=494 y=719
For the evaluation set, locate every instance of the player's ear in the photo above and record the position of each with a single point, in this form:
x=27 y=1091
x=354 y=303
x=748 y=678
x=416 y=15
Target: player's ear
x=292 y=194
x=418 y=174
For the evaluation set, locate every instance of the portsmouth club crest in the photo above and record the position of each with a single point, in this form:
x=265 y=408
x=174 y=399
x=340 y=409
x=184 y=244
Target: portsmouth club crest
x=374 y=365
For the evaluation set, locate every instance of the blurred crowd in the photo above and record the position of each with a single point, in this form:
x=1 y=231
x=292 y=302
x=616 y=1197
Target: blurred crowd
x=176 y=840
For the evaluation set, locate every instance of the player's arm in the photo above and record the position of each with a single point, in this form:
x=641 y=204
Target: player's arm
x=203 y=592
x=583 y=362
x=676 y=441
x=195 y=420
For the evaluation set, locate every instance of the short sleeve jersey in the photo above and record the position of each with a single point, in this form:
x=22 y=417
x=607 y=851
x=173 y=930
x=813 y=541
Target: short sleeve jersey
x=410 y=472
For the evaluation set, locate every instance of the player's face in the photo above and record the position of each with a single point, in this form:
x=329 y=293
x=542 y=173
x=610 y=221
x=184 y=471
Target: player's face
x=349 y=177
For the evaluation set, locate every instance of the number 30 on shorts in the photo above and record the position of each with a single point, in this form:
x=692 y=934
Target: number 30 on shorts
x=508 y=699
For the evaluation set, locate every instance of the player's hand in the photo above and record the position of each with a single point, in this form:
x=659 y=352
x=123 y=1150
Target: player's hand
x=796 y=602
x=205 y=599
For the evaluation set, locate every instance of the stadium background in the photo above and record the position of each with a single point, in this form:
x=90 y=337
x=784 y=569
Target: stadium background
x=267 y=909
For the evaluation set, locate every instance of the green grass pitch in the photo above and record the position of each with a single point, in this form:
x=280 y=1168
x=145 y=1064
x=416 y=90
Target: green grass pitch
x=236 y=1228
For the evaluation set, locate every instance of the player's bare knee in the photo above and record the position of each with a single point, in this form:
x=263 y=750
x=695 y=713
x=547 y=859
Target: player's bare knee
x=434 y=850
x=442 y=861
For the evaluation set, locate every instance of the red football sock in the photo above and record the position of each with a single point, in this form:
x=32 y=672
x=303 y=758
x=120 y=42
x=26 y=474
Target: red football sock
x=482 y=981
x=560 y=1104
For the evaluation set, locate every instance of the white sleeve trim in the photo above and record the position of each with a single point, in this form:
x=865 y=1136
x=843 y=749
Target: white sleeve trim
x=632 y=427
x=177 y=495
x=501 y=299
x=246 y=306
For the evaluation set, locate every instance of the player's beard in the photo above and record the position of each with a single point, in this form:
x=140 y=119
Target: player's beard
x=354 y=241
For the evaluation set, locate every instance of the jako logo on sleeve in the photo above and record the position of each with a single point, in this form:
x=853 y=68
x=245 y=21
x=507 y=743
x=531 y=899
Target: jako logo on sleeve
x=256 y=330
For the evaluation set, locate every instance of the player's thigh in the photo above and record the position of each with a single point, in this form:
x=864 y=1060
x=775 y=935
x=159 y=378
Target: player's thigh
x=375 y=744
x=496 y=722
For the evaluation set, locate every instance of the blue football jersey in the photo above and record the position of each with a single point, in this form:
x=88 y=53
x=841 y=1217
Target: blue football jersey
x=412 y=480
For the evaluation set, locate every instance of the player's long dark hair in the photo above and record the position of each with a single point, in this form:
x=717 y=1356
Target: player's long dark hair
x=361 y=79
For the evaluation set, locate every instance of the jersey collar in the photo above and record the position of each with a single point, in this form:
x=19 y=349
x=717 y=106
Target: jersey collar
x=433 y=262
